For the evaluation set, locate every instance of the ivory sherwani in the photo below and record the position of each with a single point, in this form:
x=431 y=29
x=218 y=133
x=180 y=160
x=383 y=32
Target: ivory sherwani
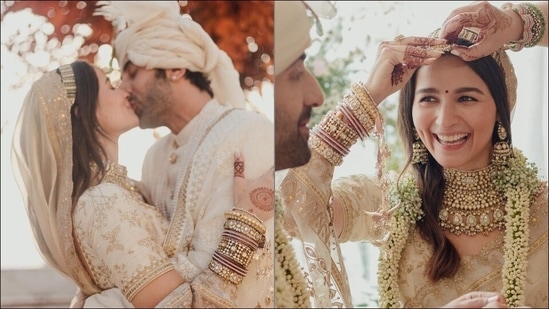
x=189 y=177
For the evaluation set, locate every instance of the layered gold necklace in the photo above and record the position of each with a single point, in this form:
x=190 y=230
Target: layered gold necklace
x=471 y=203
x=517 y=180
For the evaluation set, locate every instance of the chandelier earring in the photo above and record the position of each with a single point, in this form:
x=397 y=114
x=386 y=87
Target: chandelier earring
x=420 y=155
x=502 y=150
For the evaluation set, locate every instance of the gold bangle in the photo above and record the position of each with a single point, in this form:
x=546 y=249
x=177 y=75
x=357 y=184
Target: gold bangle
x=366 y=101
x=325 y=151
x=225 y=273
x=533 y=25
x=245 y=229
x=238 y=252
x=246 y=218
x=247 y=213
x=354 y=105
x=336 y=133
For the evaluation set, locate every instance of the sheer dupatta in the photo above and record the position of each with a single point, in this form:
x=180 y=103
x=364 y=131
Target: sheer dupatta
x=42 y=163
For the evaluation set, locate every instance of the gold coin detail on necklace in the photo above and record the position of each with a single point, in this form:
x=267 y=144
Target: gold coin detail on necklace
x=471 y=204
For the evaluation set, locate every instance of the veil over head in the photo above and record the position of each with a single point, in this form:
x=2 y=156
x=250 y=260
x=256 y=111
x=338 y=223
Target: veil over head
x=42 y=163
x=159 y=37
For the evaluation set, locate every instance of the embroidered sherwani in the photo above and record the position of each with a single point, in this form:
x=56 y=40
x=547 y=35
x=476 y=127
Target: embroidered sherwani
x=189 y=177
x=306 y=192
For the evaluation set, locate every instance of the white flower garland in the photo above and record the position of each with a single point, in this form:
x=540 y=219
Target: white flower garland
x=518 y=180
x=291 y=288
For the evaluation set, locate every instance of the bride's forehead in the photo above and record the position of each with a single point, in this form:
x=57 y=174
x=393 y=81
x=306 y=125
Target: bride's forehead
x=447 y=64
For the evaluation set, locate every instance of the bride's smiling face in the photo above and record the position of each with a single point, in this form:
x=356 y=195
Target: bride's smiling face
x=114 y=113
x=454 y=114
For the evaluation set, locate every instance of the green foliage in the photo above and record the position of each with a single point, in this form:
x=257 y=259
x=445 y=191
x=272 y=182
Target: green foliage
x=335 y=77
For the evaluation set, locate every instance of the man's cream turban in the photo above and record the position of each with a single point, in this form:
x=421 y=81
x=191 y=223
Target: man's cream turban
x=293 y=27
x=158 y=36
x=292 y=33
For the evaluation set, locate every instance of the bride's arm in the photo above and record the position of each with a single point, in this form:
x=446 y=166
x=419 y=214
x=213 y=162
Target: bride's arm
x=307 y=190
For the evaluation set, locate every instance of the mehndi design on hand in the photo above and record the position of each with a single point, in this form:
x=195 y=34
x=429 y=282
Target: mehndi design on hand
x=263 y=198
x=238 y=168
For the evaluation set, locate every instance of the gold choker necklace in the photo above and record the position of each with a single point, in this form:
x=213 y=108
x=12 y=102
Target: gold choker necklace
x=471 y=203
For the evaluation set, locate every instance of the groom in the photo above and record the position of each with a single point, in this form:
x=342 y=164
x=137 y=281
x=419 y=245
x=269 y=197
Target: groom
x=177 y=77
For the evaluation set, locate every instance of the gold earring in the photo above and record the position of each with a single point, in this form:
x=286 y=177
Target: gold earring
x=420 y=154
x=502 y=150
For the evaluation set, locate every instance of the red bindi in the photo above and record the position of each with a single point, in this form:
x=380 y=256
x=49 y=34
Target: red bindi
x=446 y=91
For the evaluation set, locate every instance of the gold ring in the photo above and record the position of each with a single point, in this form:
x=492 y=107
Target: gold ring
x=469 y=35
x=398 y=38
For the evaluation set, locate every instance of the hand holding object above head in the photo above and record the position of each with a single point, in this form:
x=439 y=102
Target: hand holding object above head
x=512 y=26
x=396 y=62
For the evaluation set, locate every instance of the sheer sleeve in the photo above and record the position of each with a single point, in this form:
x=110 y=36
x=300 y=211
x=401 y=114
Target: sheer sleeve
x=360 y=197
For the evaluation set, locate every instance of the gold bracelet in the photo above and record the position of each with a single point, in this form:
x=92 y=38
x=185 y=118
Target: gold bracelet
x=324 y=150
x=355 y=107
x=237 y=252
x=336 y=133
x=246 y=218
x=366 y=101
x=245 y=229
x=225 y=273
x=533 y=25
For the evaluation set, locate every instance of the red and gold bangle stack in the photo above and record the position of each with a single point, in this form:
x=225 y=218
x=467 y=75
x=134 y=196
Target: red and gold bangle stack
x=368 y=106
x=332 y=137
x=533 y=23
x=244 y=233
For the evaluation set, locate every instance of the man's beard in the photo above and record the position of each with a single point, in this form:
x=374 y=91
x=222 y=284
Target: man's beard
x=293 y=149
x=292 y=153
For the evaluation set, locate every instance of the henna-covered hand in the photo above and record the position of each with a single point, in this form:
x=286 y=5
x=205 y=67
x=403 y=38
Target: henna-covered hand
x=253 y=195
x=495 y=27
x=396 y=62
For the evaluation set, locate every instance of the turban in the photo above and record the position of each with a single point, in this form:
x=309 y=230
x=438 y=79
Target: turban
x=293 y=27
x=159 y=37
x=292 y=33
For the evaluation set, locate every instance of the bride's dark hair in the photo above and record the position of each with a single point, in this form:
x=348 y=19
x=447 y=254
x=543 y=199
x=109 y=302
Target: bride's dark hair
x=85 y=145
